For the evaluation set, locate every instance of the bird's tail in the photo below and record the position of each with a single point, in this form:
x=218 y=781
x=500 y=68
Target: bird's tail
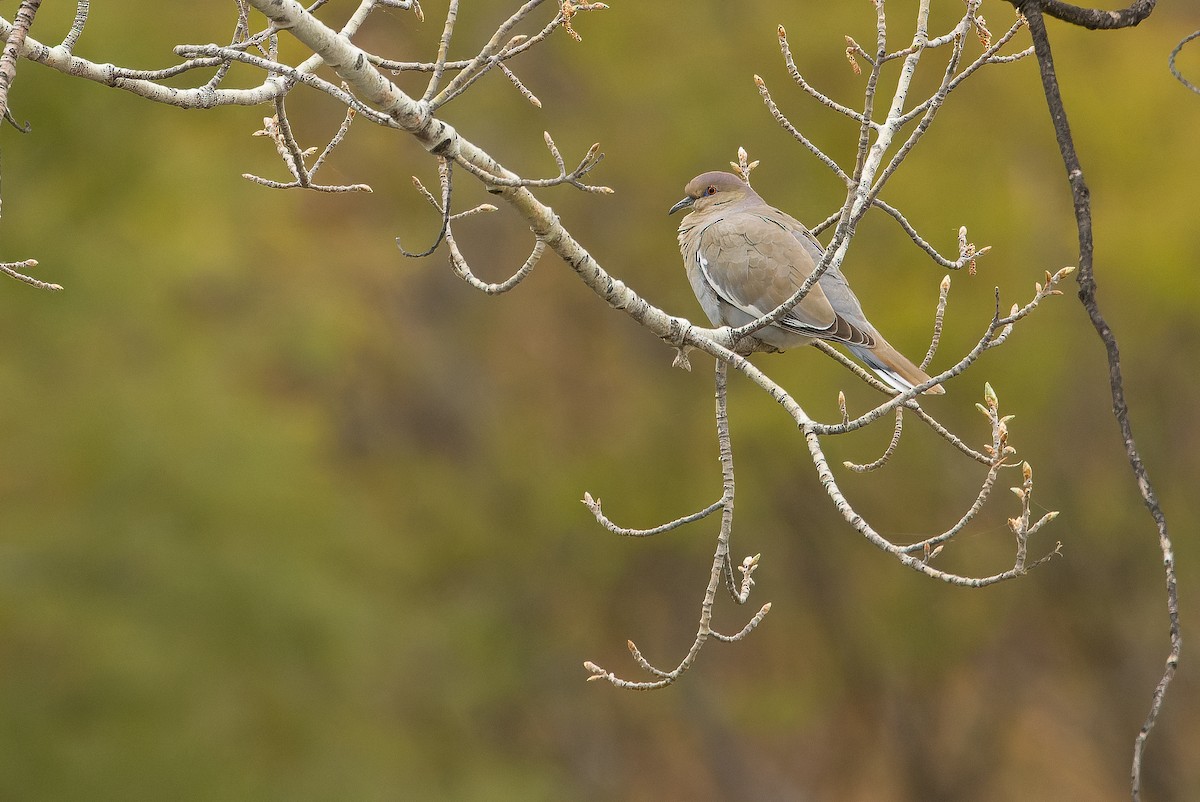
x=896 y=370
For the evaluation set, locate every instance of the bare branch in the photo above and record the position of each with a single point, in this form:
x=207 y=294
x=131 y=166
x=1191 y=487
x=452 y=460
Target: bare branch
x=524 y=90
x=444 y=174
x=439 y=66
x=593 y=505
x=987 y=57
x=588 y=163
x=12 y=48
x=740 y=591
x=820 y=97
x=939 y=316
x=493 y=52
x=407 y=5
x=999 y=451
x=292 y=74
x=463 y=270
x=887 y=452
x=750 y=625
x=11 y=269
x=1175 y=54
x=77 y=26
x=457 y=261
x=994 y=335
x=795 y=132
x=967 y=252
x=1081 y=196
x=1095 y=18
x=279 y=130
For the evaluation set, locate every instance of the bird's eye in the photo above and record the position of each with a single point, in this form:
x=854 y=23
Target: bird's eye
x=710 y=190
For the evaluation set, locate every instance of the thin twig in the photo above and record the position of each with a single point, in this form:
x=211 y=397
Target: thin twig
x=740 y=591
x=939 y=317
x=439 y=65
x=589 y=162
x=1175 y=54
x=593 y=505
x=10 y=269
x=445 y=175
x=897 y=430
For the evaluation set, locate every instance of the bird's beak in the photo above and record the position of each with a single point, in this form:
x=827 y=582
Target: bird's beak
x=683 y=203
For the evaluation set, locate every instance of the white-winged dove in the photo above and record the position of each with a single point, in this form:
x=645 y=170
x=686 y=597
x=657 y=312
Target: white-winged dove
x=744 y=258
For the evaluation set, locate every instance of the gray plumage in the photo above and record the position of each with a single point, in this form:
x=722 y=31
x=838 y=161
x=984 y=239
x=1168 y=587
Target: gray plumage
x=744 y=258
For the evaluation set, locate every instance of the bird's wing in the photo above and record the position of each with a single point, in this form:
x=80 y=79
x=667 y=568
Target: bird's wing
x=754 y=262
x=846 y=303
x=843 y=300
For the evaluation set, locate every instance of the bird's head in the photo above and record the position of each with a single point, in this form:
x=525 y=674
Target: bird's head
x=715 y=189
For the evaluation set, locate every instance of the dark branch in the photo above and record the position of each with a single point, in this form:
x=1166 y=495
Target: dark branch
x=1032 y=9
x=1094 y=18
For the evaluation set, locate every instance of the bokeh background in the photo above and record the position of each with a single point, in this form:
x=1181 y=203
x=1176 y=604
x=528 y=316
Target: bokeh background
x=284 y=515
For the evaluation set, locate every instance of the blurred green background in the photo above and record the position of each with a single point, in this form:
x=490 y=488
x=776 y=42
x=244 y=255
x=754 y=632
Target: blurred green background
x=285 y=515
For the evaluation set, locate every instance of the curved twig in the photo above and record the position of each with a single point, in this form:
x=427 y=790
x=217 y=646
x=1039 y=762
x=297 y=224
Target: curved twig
x=867 y=467
x=444 y=173
x=720 y=566
x=1175 y=54
x=593 y=505
x=967 y=252
x=463 y=270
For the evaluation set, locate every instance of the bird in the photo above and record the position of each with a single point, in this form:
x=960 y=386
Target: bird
x=744 y=258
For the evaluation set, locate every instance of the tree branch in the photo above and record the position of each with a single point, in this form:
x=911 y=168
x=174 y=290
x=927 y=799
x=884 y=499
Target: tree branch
x=12 y=48
x=1032 y=10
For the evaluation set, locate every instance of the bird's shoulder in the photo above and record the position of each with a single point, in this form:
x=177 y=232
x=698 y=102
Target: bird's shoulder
x=761 y=238
x=770 y=238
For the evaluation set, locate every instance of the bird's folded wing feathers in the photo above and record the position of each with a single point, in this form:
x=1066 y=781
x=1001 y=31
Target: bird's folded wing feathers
x=755 y=263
